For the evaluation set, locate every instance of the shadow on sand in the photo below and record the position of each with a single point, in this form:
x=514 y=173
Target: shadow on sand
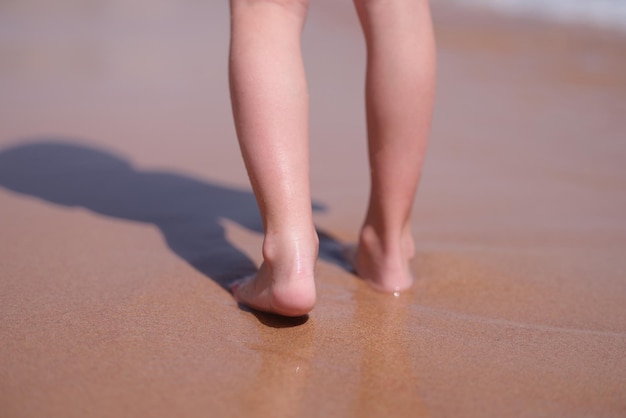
x=187 y=211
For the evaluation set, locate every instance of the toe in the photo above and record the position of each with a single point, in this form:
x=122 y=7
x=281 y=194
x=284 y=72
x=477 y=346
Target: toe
x=237 y=284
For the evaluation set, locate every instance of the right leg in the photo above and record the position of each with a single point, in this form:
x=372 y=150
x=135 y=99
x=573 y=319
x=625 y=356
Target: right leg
x=270 y=107
x=400 y=85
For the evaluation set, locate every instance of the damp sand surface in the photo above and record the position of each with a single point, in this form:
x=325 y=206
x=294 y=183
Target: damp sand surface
x=125 y=211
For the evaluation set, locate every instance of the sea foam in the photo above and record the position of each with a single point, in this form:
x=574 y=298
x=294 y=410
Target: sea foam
x=600 y=13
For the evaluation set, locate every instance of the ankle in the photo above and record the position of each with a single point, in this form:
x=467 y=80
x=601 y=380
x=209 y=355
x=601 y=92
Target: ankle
x=291 y=252
x=387 y=244
x=382 y=260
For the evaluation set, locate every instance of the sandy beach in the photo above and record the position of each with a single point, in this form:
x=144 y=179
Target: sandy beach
x=125 y=211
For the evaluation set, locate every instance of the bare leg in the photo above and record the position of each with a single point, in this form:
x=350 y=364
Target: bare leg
x=400 y=87
x=270 y=106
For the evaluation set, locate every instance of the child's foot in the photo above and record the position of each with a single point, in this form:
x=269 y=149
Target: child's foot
x=384 y=266
x=284 y=284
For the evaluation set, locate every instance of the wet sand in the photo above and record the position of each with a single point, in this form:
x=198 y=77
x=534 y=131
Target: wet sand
x=125 y=210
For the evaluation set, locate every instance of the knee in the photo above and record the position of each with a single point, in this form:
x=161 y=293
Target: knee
x=377 y=4
x=373 y=3
x=293 y=6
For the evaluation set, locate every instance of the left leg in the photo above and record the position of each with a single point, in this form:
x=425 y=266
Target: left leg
x=270 y=107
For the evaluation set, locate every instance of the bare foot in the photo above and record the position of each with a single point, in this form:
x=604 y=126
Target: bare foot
x=384 y=267
x=284 y=284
